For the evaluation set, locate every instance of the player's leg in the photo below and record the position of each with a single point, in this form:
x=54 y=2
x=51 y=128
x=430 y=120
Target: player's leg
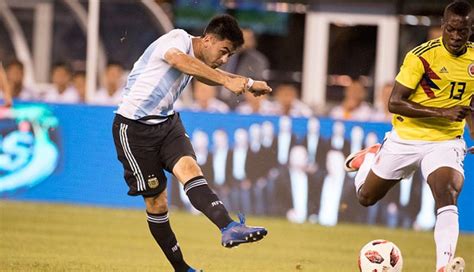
x=178 y=157
x=160 y=228
x=202 y=197
x=443 y=169
x=145 y=178
x=445 y=184
x=373 y=188
x=370 y=188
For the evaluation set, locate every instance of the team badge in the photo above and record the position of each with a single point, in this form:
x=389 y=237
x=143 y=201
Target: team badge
x=153 y=182
x=470 y=69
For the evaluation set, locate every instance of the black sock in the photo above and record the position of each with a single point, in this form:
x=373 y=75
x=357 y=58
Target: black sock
x=161 y=230
x=206 y=201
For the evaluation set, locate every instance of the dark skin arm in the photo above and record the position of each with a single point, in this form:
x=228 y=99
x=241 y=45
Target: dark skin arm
x=400 y=104
x=470 y=125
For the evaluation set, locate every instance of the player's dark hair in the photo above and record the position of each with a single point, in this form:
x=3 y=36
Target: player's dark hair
x=458 y=7
x=226 y=27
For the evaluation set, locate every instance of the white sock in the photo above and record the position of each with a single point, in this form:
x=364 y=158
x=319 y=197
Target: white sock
x=364 y=171
x=446 y=234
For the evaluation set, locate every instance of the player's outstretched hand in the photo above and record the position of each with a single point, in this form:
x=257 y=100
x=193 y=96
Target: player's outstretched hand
x=260 y=88
x=470 y=150
x=456 y=113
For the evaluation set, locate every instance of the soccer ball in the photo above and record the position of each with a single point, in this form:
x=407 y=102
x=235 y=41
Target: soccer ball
x=380 y=256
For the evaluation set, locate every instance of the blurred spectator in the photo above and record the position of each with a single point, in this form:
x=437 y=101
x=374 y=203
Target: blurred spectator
x=15 y=74
x=62 y=90
x=256 y=105
x=79 y=83
x=286 y=99
x=112 y=86
x=248 y=62
x=353 y=106
x=205 y=99
x=6 y=92
x=382 y=114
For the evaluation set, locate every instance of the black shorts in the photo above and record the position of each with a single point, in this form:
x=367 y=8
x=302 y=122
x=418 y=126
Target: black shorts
x=146 y=150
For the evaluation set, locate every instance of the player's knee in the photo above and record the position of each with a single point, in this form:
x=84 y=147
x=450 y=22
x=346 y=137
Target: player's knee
x=157 y=205
x=160 y=207
x=366 y=200
x=449 y=197
x=454 y=192
x=186 y=168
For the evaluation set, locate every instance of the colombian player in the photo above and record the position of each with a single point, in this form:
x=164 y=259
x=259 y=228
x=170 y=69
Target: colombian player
x=432 y=99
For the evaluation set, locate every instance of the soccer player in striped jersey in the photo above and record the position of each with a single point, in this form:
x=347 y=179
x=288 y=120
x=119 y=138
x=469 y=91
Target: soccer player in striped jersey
x=432 y=99
x=150 y=138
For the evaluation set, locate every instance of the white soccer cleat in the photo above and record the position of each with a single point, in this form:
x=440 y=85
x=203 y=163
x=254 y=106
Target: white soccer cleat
x=355 y=160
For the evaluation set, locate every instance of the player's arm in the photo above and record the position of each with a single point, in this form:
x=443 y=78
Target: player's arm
x=7 y=93
x=400 y=103
x=194 y=67
x=470 y=124
x=213 y=83
x=406 y=82
x=256 y=87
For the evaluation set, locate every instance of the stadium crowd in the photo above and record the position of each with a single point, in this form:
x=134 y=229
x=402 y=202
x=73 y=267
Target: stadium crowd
x=68 y=86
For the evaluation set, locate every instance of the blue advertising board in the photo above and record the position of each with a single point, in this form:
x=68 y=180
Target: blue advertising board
x=66 y=154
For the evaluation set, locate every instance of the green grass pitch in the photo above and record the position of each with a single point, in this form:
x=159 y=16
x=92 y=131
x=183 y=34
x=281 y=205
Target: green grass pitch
x=53 y=237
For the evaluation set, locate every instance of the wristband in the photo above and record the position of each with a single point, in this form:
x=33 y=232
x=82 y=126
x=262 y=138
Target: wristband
x=249 y=83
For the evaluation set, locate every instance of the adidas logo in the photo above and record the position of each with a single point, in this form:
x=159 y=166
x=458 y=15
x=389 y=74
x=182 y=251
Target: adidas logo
x=443 y=70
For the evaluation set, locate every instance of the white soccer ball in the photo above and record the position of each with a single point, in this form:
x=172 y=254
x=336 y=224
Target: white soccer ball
x=380 y=256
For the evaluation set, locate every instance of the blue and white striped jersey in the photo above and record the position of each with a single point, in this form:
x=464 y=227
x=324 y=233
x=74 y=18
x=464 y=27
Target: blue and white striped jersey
x=153 y=85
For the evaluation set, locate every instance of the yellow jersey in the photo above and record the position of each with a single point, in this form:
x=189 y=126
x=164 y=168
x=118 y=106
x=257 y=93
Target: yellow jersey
x=439 y=79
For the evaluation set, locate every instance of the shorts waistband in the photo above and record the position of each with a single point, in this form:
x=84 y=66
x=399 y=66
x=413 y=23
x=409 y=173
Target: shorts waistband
x=143 y=121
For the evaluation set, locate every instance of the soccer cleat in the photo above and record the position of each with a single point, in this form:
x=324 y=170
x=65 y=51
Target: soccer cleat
x=238 y=233
x=195 y=270
x=355 y=160
x=455 y=265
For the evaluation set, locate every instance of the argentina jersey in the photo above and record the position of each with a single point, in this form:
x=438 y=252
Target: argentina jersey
x=153 y=85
